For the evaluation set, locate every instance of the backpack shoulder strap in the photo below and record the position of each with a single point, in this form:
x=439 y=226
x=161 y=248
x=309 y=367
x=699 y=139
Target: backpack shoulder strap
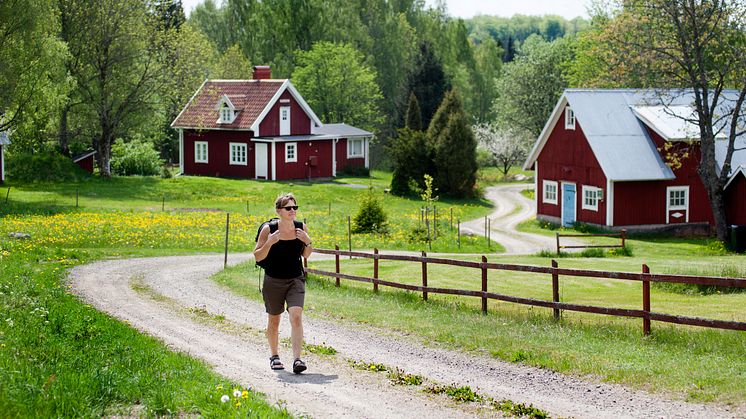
x=273 y=224
x=298 y=224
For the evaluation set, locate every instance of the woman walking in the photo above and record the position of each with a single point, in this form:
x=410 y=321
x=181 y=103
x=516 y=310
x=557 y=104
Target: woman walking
x=279 y=249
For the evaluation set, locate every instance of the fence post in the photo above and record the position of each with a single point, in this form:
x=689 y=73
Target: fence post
x=329 y=212
x=424 y=275
x=227 y=224
x=375 y=269
x=163 y=204
x=349 y=235
x=77 y=193
x=427 y=225
x=435 y=222
x=489 y=233
x=247 y=207
x=645 y=302
x=484 y=284
x=336 y=263
x=555 y=289
x=558 y=246
x=450 y=225
x=458 y=233
x=7 y=194
x=624 y=236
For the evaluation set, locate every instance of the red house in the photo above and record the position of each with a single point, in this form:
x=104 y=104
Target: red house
x=4 y=141
x=263 y=129
x=600 y=160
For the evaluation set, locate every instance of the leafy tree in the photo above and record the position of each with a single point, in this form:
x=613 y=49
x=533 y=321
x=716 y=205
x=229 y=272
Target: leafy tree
x=488 y=64
x=455 y=149
x=700 y=45
x=508 y=148
x=216 y=23
x=338 y=85
x=170 y=14
x=186 y=61
x=31 y=61
x=233 y=64
x=115 y=66
x=530 y=86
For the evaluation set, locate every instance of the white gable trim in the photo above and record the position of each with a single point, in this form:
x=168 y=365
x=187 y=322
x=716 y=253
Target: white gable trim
x=286 y=85
x=741 y=170
x=188 y=103
x=609 y=202
x=557 y=113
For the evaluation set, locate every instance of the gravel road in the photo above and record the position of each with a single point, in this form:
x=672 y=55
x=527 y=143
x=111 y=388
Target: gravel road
x=330 y=388
x=512 y=208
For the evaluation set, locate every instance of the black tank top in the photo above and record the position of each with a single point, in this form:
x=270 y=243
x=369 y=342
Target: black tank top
x=284 y=259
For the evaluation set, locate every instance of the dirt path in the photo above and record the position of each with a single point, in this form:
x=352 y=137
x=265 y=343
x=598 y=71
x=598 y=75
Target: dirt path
x=511 y=208
x=331 y=388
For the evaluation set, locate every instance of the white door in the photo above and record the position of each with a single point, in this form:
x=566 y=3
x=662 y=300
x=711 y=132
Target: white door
x=285 y=120
x=260 y=160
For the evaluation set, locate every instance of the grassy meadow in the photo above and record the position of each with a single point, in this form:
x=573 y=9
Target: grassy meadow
x=60 y=357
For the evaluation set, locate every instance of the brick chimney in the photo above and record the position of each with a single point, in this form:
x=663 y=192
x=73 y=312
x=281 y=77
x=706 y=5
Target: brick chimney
x=261 y=72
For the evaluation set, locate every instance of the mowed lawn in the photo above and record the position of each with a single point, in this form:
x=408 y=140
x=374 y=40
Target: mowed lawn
x=62 y=358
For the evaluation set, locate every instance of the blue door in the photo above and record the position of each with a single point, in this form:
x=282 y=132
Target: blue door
x=568 y=204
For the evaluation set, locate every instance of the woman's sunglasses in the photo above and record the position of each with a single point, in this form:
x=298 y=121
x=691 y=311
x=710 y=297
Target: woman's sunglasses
x=291 y=207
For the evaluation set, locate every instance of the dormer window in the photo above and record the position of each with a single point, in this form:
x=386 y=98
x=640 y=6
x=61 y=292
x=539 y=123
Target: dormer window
x=569 y=118
x=226 y=114
x=226 y=111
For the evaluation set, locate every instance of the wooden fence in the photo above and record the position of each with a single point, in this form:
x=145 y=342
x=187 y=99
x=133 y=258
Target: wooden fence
x=645 y=277
x=622 y=235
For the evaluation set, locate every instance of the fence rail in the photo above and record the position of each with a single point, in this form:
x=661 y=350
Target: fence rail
x=645 y=277
x=622 y=235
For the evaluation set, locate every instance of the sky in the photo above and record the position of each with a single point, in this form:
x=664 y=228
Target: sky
x=469 y=8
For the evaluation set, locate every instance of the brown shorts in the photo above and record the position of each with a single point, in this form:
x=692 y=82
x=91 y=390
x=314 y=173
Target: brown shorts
x=277 y=292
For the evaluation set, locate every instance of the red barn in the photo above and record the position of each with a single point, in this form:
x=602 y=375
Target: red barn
x=4 y=141
x=263 y=129
x=601 y=160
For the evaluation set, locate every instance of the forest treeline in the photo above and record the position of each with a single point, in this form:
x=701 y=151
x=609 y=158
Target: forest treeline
x=80 y=74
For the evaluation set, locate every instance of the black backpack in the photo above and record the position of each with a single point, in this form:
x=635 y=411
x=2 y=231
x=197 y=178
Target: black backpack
x=273 y=224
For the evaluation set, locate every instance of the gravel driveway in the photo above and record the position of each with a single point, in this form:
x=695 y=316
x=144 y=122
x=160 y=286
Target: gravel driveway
x=331 y=388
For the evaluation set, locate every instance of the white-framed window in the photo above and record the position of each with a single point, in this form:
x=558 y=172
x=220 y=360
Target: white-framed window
x=569 y=118
x=591 y=196
x=549 y=196
x=354 y=148
x=200 y=152
x=226 y=114
x=291 y=152
x=678 y=198
x=238 y=154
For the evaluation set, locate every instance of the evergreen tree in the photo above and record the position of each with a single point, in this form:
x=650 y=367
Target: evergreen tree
x=455 y=149
x=414 y=114
x=428 y=82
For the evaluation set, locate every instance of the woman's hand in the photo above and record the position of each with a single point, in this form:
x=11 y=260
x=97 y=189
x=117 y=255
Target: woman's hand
x=301 y=235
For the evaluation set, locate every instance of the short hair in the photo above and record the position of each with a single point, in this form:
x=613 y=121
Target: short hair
x=283 y=200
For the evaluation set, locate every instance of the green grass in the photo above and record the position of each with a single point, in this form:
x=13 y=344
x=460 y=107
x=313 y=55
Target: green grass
x=60 y=357
x=694 y=363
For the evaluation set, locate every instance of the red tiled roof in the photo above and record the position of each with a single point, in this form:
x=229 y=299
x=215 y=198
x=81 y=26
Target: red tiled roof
x=250 y=97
